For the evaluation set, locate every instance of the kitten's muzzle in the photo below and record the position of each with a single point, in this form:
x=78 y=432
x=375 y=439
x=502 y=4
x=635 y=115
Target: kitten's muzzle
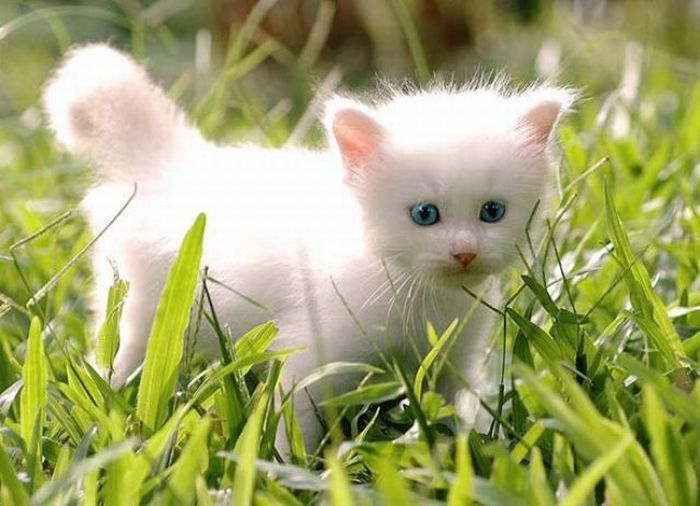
x=464 y=258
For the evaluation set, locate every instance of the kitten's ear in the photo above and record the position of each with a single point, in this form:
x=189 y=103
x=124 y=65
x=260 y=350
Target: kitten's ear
x=542 y=109
x=357 y=134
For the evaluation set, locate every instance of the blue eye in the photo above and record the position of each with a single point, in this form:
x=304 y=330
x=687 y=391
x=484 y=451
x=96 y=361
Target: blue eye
x=492 y=211
x=425 y=214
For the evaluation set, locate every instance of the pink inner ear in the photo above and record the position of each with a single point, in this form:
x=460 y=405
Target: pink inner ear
x=358 y=137
x=540 y=120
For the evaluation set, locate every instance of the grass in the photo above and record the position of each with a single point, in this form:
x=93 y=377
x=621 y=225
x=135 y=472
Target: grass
x=599 y=398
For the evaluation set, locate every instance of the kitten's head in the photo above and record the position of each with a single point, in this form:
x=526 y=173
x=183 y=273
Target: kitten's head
x=448 y=179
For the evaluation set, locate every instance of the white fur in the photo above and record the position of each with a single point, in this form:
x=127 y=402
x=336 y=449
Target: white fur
x=284 y=226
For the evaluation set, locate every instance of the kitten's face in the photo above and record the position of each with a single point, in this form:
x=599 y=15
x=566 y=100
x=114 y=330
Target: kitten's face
x=447 y=183
x=479 y=193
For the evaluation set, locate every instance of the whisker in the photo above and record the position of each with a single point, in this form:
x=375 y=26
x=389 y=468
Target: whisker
x=384 y=286
x=424 y=297
x=418 y=317
x=434 y=300
x=408 y=280
x=376 y=294
x=409 y=297
x=397 y=291
x=382 y=289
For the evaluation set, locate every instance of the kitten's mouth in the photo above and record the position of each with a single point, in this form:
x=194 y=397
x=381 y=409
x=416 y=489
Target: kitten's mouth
x=456 y=277
x=457 y=272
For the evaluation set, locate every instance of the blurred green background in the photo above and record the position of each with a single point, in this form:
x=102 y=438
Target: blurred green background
x=585 y=42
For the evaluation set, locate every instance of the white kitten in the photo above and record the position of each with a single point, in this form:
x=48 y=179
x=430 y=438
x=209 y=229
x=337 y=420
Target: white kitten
x=430 y=190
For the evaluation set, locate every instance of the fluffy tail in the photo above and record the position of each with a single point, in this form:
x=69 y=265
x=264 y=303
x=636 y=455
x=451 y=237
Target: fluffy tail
x=104 y=107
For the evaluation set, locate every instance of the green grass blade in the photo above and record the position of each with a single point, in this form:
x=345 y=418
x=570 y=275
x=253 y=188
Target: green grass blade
x=33 y=398
x=593 y=435
x=192 y=463
x=9 y=482
x=528 y=441
x=222 y=373
x=165 y=345
x=390 y=484
x=340 y=492
x=51 y=489
x=90 y=488
x=542 y=295
x=586 y=482
x=118 y=488
x=507 y=475
x=431 y=356
x=461 y=490
x=690 y=126
x=540 y=493
x=414 y=404
x=247 y=448
x=673 y=397
x=35 y=377
x=151 y=451
x=378 y=392
x=108 y=336
x=256 y=340
x=644 y=299
x=294 y=434
x=488 y=494
x=331 y=369
x=540 y=340
x=669 y=453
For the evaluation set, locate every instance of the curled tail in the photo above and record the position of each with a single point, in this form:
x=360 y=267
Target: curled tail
x=104 y=107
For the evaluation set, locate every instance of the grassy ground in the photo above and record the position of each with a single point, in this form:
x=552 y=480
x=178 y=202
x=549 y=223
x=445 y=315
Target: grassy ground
x=602 y=401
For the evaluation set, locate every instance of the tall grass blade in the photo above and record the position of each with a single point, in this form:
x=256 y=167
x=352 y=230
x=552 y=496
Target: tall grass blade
x=378 y=392
x=48 y=492
x=165 y=345
x=35 y=378
x=247 y=448
x=540 y=340
x=669 y=452
x=192 y=463
x=432 y=355
x=108 y=336
x=9 y=484
x=461 y=490
x=340 y=492
x=644 y=299
x=540 y=493
x=592 y=435
x=586 y=482
x=33 y=398
x=390 y=484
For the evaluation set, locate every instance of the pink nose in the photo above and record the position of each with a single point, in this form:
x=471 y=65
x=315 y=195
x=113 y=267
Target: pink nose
x=464 y=258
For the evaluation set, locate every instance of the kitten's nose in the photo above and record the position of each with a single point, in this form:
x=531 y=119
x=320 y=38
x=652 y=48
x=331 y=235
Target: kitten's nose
x=464 y=258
